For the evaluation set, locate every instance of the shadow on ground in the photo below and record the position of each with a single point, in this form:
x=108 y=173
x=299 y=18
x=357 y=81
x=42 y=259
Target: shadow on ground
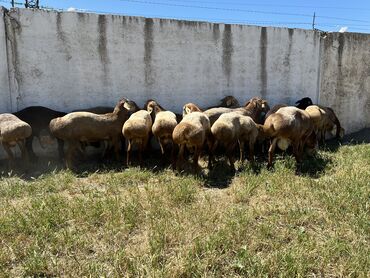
x=220 y=176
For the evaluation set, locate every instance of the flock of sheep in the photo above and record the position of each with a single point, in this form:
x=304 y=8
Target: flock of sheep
x=228 y=125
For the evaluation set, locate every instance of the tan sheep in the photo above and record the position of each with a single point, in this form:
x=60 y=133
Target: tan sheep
x=256 y=108
x=136 y=130
x=87 y=127
x=14 y=131
x=163 y=126
x=289 y=126
x=228 y=102
x=231 y=129
x=97 y=110
x=192 y=132
x=324 y=120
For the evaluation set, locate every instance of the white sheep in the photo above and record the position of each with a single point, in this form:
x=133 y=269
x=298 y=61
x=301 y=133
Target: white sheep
x=86 y=127
x=14 y=131
x=233 y=128
x=163 y=126
x=192 y=132
x=136 y=130
x=289 y=126
x=324 y=119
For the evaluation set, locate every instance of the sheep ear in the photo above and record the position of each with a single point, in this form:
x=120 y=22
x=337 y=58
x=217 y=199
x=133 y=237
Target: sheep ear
x=150 y=109
x=188 y=110
x=248 y=102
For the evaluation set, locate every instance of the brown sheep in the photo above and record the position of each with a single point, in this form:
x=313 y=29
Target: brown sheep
x=324 y=119
x=226 y=102
x=79 y=127
x=301 y=104
x=163 y=126
x=231 y=129
x=136 y=130
x=14 y=131
x=289 y=125
x=192 y=132
x=190 y=108
x=255 y=108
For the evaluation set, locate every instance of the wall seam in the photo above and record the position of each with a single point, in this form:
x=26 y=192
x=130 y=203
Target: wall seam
x=5 y=14
x=318 y=85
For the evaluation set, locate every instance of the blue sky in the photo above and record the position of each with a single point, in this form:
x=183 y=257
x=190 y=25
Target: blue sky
x=331 y=15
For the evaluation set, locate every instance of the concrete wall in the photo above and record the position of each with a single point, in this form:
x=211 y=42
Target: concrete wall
x=345 y=78
x=4 y=77
x=68 y=61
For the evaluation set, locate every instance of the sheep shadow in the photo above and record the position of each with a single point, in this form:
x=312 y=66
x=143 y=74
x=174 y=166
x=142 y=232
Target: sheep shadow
x=356 y=138
x=220 y=176
x=31 y=170
x=313 y=166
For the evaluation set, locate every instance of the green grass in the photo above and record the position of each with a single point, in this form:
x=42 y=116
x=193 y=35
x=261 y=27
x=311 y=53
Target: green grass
x=132 y=223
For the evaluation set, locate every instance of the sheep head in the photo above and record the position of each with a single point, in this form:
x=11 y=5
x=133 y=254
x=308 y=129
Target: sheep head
x=229 y=101
x=304 y=103
x=258 y=108
x=120 y=105
x=189 y=108
x=153 y=106
x=125 y=104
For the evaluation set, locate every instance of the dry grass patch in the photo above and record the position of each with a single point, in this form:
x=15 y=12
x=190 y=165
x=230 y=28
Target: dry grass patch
x=143 y=223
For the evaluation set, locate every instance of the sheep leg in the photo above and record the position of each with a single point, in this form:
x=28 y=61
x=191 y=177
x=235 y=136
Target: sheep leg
x=115 y=142
x=60 y=149
x=8 y=150
x=271 y=151
x=173 y=155
x=241 y=149
x=29 y=148
x=163 y=159
x=251 y=150
x=323 y=136
x=212 y=145
x=196 y=157
x=211 y=156
x=72 y=146
x=22 y=146
x=128 y=152
x=297 y=151
x=230 y=156
x=142 y=147
x=160 y=145
x=180 y=158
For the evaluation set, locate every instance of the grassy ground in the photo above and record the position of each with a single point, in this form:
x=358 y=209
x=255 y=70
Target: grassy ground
x=155 y=223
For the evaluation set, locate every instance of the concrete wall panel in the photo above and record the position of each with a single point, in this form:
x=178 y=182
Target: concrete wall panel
x=4 y=77
x=345 y=78
x=77 y=60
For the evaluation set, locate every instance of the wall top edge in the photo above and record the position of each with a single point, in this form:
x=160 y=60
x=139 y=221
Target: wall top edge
x=184 y=21
x=159 y=19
